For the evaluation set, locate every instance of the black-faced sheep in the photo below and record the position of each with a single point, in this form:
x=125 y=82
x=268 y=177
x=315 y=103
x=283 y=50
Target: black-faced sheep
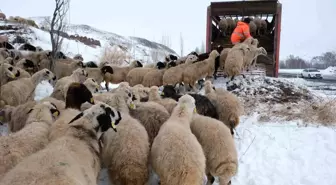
x=170 y=57
x=227 y=104
x=218 y=146
x=33 y=137
x=78 y=57
x=62 y=85
x=27 y=47
x=200 y=70
x=176 y=155
x=203 y=104
x=19 y=91
x=81 y=140
x=91 y=64
x=117 y=74
x=27 y=65
x=234 y=62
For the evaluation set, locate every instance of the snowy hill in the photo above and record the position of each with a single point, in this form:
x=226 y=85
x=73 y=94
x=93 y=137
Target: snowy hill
x=136 y=48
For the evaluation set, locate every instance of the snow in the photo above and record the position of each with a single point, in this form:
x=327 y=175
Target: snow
x=290 y=71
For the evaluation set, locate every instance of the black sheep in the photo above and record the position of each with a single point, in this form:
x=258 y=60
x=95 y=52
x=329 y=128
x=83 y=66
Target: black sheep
x=203 y=104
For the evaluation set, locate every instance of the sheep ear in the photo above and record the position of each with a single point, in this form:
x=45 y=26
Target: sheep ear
x=30 y=111
x=77 y=117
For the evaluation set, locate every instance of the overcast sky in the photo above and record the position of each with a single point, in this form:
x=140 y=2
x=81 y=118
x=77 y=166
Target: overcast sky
x=308 y=26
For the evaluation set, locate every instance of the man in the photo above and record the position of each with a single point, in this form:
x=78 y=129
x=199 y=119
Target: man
x=241 y=32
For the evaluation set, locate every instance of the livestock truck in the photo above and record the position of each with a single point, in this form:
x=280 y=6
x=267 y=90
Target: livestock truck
x=269 y=10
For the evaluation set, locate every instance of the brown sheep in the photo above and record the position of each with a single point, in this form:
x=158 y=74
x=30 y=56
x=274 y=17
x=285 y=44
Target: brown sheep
x=136 y=75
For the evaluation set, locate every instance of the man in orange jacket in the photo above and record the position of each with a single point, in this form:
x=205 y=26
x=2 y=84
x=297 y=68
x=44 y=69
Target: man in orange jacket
x=241 y=32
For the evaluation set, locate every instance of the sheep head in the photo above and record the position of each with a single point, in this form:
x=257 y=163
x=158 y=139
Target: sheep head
x=160 y=65
x=107 y=69
x=208 y=87
x=261 y=51
x=102 y=117
x=233 y=122
x=9 y=70
x=185 y=107
x=244 y=47
x=191 y=59
x=214 y=53
x=78 y=94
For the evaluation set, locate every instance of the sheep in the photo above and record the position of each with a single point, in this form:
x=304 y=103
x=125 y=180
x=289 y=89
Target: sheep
x=218 y=146
x=223 y=56
x=170 y=57
x=72 y=158
x=154 y=78
x=231 y=25
x=65 y=67
x=61 y=86
x=19 y=91
x=4 y=53
x=140 y=92
x=37 y=57
x=3 y=38
x=204 y=56
x=96 y=74
x=253 y=28
x=223 y=26
x=200 y=70
x=174 y=75
x=2 y=16
x=91 y=64
x=116 y=74
x=32 y=138
x=77 y=95
x=182 y=60
x=39 y=48
x=151 y=115
x=92 y=85
x=176 y=155
x=21 y=73
x=203 y=104
x=15 y=54
x=125 y=153
x=251 y=56
x=8 y=72
x=235 y=60
x=78 y=57
x=168 y=103
x=6 y=45
x=27 y=47
x=257 y=21
x=136 y=75
x=27 y=65
x=16 y=117
x=227 y=104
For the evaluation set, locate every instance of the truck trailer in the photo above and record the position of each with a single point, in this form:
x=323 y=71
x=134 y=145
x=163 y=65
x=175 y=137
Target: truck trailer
x=269 y=10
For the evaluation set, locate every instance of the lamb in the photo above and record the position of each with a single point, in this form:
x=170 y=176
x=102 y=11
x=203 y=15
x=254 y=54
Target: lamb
x=227 y=104
x=136 y=75
x=203 y=104
x=174 y=75
x=65 y=67
x=8 y=72
x=92 y=85
x=32 y=138
x=223 y=56
x=218 y=146
x=77 y=150
x=167 y=103
x=20 y=91
x=125 y=153
x=251 y=56
x=200 y=70
x=116 y=74
x=16 y=117
x=176 y=155
x=78 y=57
x=235 y=60
x=61 y=86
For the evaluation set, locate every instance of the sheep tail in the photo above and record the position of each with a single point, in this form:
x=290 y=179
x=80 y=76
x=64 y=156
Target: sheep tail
x=227 y=169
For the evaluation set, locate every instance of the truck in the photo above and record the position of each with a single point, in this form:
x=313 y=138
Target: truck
x=269 y=10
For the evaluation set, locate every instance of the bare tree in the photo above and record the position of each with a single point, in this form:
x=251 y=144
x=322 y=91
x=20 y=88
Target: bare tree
x=203 y=47
x=181 y=45
x=166 y=40
x=57 y=26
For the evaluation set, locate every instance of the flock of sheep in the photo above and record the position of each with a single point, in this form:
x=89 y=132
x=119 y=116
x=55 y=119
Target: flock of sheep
x=257 y=25
x=186 y=138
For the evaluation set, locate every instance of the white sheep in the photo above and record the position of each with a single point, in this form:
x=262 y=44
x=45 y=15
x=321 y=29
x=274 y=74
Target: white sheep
x=199 y=70
x=176 y=155
x=92 y=85
x=7 y=73
x=136 y=75
x=71 y=159
x=168 y=103
x=234 y=62
x=65 y=67
x=33 y=137
x=62 y=85
x=19 y=91
x=218 y=146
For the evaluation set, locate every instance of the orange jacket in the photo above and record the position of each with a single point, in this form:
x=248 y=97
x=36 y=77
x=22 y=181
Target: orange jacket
x=240 y=33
